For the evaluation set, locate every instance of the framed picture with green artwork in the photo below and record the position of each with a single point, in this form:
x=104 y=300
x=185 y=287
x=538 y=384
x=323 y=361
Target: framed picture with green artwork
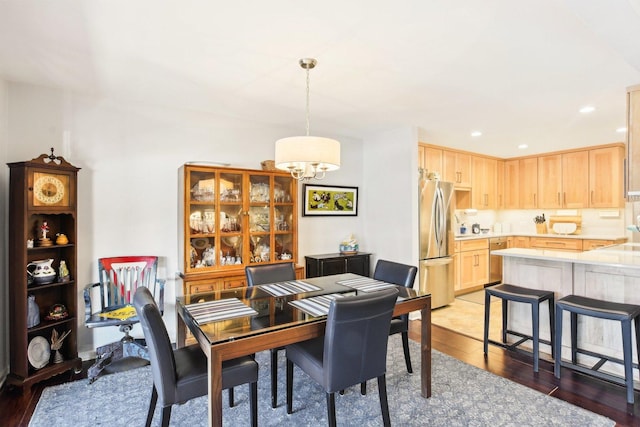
x=325 y=200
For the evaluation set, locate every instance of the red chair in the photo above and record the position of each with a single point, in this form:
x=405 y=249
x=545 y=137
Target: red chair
x=110 y=303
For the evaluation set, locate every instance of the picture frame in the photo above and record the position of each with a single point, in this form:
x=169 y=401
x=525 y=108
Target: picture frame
x=329 y=200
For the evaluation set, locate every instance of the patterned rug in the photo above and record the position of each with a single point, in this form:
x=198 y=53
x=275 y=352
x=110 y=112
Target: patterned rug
x=463 y=395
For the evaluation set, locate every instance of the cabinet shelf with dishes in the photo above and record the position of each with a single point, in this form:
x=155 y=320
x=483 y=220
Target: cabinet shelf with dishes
x=231 y=218
x=42 y=269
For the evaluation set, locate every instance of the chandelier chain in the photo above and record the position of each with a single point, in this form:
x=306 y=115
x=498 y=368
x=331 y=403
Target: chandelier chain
x=307 y=100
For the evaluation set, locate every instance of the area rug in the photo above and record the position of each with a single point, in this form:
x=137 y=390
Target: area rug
x=463 y=395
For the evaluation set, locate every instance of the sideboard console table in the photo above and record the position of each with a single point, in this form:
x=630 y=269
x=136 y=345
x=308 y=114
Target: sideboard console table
x=337 y=263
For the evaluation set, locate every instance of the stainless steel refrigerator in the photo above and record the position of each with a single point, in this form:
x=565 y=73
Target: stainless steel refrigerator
x=437 y=206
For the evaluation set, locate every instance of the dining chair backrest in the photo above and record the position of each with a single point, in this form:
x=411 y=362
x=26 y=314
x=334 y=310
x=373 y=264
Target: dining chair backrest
x=356 y=336
x=121 y=276
x=269 y=273
x=396 y=273
x=163 y=364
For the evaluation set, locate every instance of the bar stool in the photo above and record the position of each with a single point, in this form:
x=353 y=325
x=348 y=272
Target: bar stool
x=624 y=313
x=525 y=295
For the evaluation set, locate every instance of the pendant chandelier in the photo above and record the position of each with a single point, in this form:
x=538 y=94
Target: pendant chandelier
x=307 y=157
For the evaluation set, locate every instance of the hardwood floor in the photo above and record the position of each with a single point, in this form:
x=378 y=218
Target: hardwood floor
x=595 y=395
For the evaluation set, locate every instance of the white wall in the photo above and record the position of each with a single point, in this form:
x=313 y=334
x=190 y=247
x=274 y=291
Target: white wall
x=127 y=187
x=4 y=228
x=390 y=196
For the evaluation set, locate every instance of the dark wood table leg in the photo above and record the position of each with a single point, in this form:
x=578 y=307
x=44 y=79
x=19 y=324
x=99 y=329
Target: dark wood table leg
x=215 y=389
x=425 y=346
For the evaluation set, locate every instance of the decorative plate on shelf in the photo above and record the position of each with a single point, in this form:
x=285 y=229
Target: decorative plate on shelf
x=39 y=352
x=200 y=243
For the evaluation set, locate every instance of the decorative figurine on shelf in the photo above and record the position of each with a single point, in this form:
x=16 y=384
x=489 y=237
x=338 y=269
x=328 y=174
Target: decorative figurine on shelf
x=29 y=243
x=61 y=239
x=33 y=312
x=44 y=240
x=349 y=245
x=63 y=272
x=56 y=344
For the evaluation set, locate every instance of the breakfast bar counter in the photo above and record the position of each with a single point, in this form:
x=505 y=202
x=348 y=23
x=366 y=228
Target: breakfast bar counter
x=610 y=274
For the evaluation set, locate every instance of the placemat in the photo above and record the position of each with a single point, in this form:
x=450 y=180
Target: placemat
x=289 y=288
x=214 y=311
x=366 y=284
x=316 y=306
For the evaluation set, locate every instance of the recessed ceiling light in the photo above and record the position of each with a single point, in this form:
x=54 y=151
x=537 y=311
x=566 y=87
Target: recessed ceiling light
x=587 y=109
x=476 y=133
x=523 y=146
x=621 y=130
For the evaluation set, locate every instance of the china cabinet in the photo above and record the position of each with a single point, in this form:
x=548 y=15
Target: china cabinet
x=230 y=218
x=42 y=269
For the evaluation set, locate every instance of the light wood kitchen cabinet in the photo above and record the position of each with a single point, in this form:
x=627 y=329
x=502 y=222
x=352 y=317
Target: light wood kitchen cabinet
x=511 y=184
x=518 y=242
x=606 y=185
x=431 y=159
x=456 y=168
x=528 y=176
x=484 y=183
x=563 y=180
x=473 y=265
x=230 y=218
x=556 y=243
x=500 y=184
x=590 y=244
x=633 y=143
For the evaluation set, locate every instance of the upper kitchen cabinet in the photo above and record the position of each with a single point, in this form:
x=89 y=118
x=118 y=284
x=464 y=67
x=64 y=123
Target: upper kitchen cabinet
x=500 y=188
x=606 y=189
x=484 y=188
x=633 y=142
x=433 y=159
x=511 y=184
x=528 y=190
x=456 y=168
x=563 y=180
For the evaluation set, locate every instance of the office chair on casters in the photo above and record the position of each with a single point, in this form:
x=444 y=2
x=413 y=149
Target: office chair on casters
x=271 y=273
x=109 y=303
x=353 y=349
x=181 y=375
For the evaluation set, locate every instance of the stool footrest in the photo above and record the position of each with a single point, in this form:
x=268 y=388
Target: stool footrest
x=514 y=346
x=586 y=370
x=603 y=358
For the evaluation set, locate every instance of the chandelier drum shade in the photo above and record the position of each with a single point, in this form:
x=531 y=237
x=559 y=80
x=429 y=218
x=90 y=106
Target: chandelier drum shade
x=307 y=157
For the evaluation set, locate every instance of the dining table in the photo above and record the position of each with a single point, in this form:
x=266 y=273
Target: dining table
x=235 y=322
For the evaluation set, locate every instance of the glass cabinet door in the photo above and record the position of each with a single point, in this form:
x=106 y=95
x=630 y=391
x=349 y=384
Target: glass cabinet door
x=260 y=215
x=200 y=238
x=230 y=219
x=283 y=218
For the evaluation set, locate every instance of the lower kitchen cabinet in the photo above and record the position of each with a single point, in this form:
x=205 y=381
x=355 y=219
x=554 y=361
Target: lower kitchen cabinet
x=328 y=264
x=472 y=265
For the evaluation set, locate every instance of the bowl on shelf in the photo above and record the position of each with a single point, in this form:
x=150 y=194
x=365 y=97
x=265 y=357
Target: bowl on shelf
x=484 y=230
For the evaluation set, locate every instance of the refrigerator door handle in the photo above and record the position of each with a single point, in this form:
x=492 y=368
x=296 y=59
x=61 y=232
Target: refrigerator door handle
x=439 y=217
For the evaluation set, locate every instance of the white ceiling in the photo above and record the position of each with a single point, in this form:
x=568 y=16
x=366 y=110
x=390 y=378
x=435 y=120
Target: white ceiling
x=517 y=70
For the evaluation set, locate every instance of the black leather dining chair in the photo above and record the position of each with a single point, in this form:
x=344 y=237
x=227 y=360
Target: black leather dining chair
x=353 y=350
x=181 y=375
x=260 y=275
x=403 y=275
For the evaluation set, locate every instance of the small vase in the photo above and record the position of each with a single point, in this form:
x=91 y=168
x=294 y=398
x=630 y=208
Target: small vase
x=541 y=228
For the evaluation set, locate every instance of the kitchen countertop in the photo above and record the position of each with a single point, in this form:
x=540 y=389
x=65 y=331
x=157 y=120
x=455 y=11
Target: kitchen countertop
x=471 y=236
x=625 y=255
